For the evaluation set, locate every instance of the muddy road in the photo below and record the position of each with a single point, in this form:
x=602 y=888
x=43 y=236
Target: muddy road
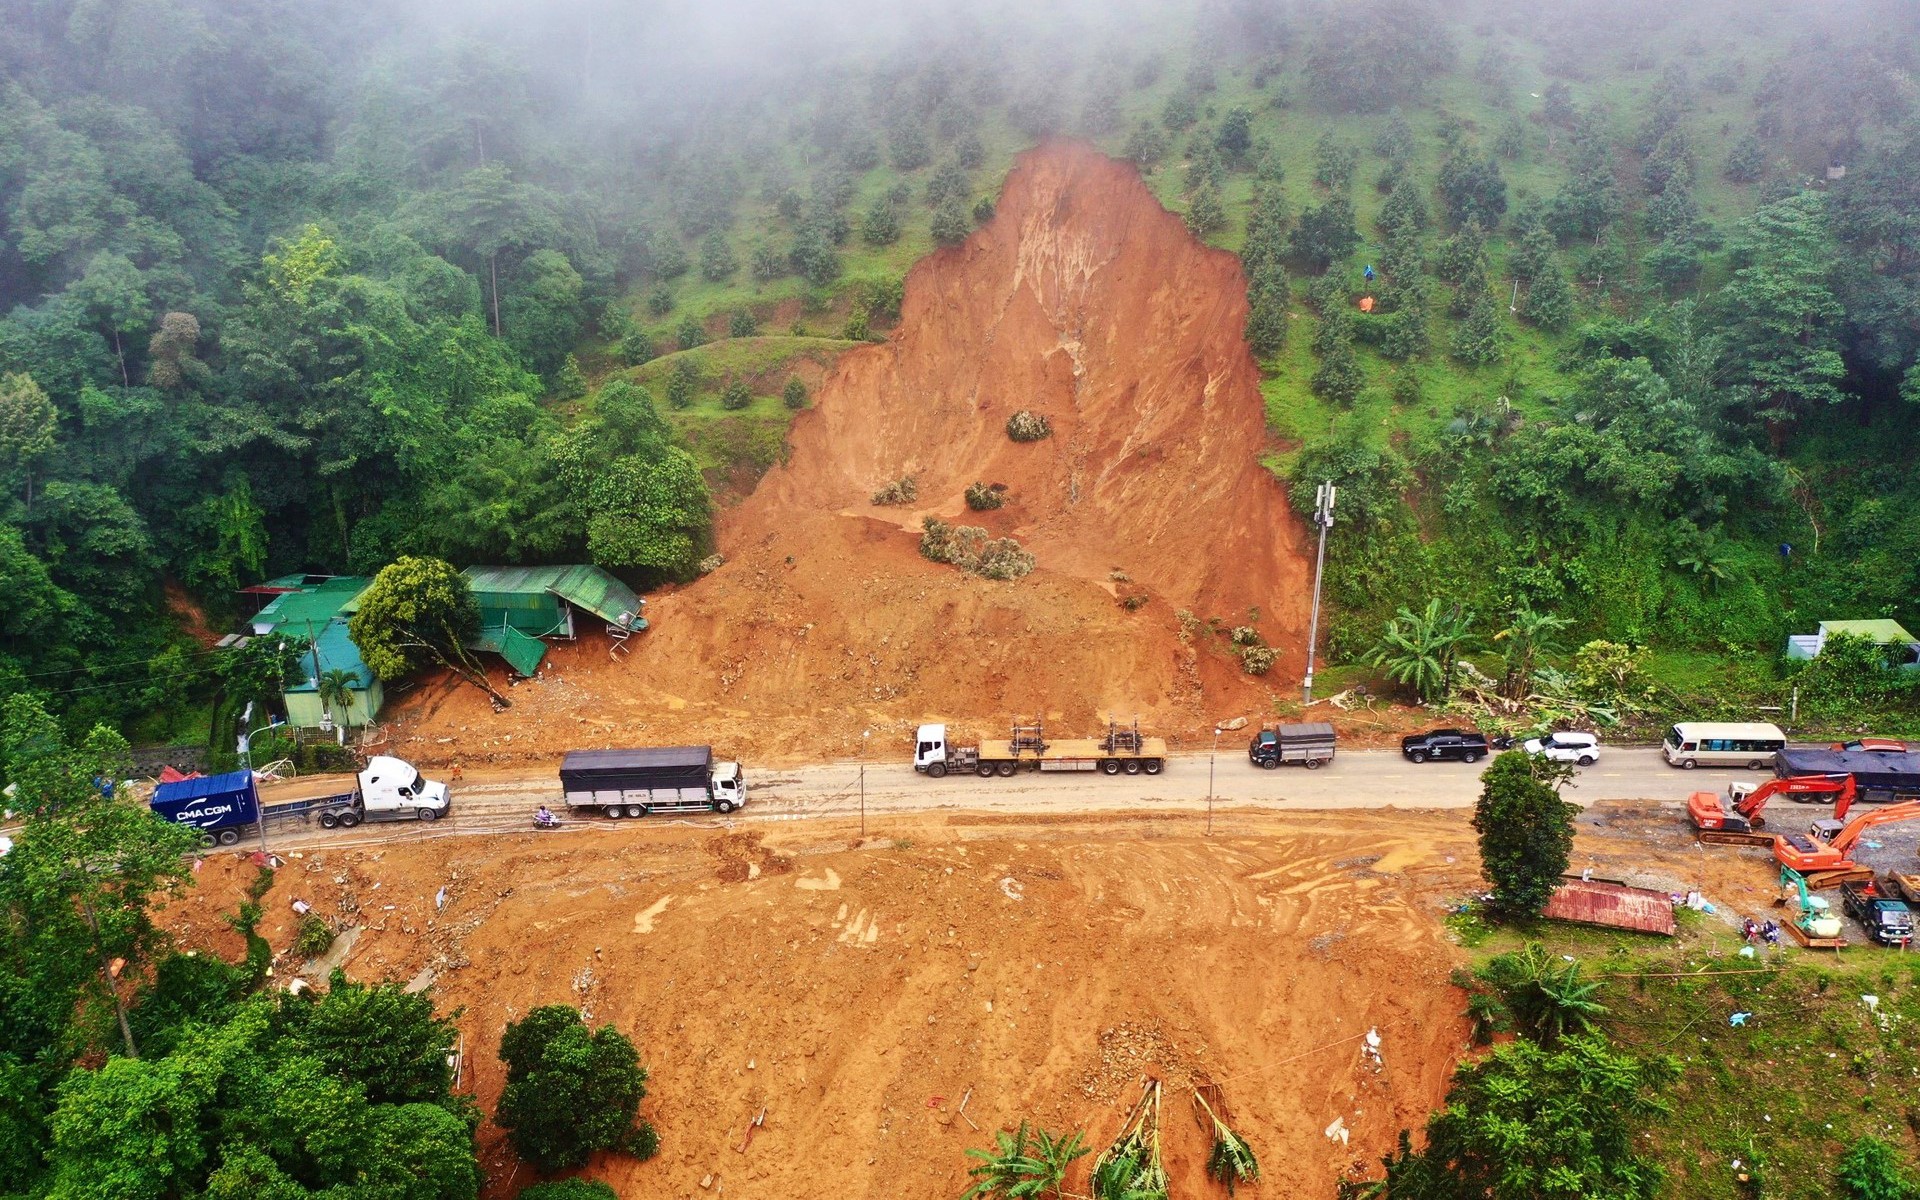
x=502 y=801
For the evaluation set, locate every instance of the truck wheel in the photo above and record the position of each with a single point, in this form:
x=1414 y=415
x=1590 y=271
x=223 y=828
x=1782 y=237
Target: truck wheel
x=1418 y=756
x=1756 y=765
x=1270 y=764
x=636 y=810
x=208 y=841
x=1313 y=764
x=723 y=807
x=1007 y=768
x=328 y=820
x=1687 y=764
x=349 y=820
x=1131 y=766
x=1110 y=765
x=427 y=814
x=985 y=769
x=937 y=770
x=1473 y=756
x=612 y=811
x=1152 y=766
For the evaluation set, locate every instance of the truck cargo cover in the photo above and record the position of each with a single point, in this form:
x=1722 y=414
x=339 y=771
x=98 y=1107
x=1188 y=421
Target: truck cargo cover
x=1874 y=771
x=1318 y=733
x=660 y=767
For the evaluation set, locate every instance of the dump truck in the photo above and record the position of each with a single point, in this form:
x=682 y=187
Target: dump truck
x=661 y=779
x=1888 y=921
x=223 y=807
x=1121 y=751
x=1309 y=745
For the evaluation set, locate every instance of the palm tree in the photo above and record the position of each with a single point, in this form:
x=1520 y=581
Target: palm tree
x=1548 y=1000
x=1530 y=635
x=336 y=688
x=1419 y=650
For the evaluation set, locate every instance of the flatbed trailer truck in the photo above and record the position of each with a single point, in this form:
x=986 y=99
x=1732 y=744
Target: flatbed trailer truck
x=1121 y=751
x=224 y=807
x=662 y=779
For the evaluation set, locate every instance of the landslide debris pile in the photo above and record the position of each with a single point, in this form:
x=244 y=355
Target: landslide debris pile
x=1083 y=302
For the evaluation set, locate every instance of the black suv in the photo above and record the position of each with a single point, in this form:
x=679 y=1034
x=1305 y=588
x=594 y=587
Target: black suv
x=1467 y=745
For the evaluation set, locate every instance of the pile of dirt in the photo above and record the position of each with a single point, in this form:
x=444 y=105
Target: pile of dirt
x=1032 y=971
x=1082 y=300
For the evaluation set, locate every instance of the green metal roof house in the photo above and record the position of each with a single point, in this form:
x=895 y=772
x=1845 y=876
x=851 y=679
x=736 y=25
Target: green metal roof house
x=521 y=605
x=316 y=607
x=1882 y=632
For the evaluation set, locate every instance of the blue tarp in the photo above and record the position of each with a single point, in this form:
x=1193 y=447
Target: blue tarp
x=210 y=802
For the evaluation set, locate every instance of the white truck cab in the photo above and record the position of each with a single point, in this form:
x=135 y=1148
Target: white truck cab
x=393 y=785
x=930 y=747
x=729 y=786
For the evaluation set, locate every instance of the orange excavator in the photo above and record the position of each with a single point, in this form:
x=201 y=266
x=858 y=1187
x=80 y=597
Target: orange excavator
x=1734 y=823
x=1821 y=855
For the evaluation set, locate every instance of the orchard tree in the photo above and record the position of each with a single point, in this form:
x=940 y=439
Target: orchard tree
x=1267 y=298
x=794 y=395
x=1325 y=233
x=881 y=226
x=419 y=612
x=1526 y=1122
x=1549 y=300
x=1236 y=133
x=571 y=1091
x=951 y=224
x=1526 y=832
x=717 y=262
x=1207 y=213
x=1473 y=189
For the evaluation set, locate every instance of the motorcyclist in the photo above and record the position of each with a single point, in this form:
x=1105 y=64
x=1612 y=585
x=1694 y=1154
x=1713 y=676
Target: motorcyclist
x=545 y=818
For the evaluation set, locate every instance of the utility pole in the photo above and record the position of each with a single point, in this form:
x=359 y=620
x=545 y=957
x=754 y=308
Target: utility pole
x=1211 y=755
x=864 y=735
x=1323 y=517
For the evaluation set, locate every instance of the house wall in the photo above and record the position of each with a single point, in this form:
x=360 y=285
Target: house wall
x=304 y=711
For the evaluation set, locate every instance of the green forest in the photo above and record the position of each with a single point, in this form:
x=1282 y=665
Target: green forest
x=307 y=287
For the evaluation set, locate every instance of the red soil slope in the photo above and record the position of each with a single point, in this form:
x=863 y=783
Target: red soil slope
x=1086 y=301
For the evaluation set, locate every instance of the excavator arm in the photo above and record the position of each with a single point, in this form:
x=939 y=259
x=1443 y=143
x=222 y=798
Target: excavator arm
x=1893 y=814
x=1754 y=803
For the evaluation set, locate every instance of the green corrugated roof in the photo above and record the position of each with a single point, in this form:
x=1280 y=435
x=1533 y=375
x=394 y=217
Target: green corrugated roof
x=293 y=612
x=587 y=587
x=523 y=653
x=337 y=653
x=1883 y=632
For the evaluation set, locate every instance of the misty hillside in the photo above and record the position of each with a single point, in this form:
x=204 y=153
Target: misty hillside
x=306 y=287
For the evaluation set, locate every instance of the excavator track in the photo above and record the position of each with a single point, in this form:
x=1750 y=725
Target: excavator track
x=1832 y=878
x=1726 y=837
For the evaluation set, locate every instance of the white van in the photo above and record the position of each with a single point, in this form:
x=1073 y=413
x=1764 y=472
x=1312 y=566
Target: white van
x=1749 y=744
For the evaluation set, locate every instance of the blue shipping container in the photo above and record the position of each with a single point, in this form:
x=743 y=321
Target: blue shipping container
x=211 y=802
